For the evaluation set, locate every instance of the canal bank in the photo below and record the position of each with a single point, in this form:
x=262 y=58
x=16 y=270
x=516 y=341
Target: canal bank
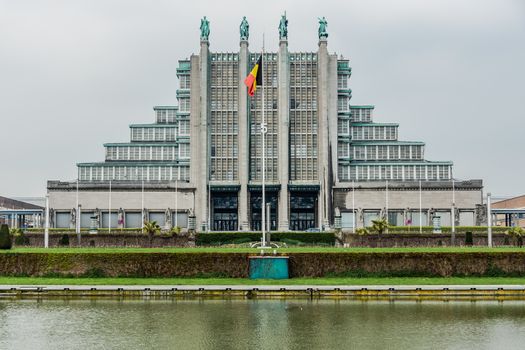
x=266 y=291
x=313 y=263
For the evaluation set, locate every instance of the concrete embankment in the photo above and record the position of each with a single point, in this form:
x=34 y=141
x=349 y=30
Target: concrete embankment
x=268 y=291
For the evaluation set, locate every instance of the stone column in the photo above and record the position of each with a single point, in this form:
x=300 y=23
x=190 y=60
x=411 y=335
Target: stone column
x=200 y=101
x=243 y=137
x=323 y=95
x=283 y=78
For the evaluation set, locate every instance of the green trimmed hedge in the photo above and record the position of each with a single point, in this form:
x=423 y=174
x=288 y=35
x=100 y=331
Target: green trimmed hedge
x=446 y=229
x=219 y=238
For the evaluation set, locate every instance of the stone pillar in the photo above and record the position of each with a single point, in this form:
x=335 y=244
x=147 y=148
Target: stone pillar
x=200 y=71
x=243 y=137
x=323 y=95
x=283 y=78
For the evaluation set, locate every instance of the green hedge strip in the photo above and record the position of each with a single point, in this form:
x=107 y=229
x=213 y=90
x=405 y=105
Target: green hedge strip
x=219 y=238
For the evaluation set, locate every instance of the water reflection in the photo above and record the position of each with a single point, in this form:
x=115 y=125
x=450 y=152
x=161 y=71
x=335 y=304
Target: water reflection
x=262 y=324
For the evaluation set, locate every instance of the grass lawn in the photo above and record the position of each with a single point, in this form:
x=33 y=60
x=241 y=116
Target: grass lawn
x=268 y=251
x=245 y=281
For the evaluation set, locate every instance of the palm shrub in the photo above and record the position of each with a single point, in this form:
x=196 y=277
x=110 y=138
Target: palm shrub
x=379 y=226
x=362 y=231
x=151 y=228
x=5 y=237
x=517 y=233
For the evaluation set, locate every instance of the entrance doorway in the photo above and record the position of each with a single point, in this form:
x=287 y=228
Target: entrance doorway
x=224 y=211
x=303 y=210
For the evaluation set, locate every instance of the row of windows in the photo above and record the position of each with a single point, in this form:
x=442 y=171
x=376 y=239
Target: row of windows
x=168 y=116
x=361 y=115
x=133 y=153
x=380 y=152
x=133 y=173
x=369 y=132
x=168 y=133
x=394 y=172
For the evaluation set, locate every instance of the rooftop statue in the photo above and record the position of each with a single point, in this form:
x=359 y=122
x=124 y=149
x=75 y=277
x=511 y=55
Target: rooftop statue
x=245 y=29
x=322 y=28
x=283 y=27
x=205 y=28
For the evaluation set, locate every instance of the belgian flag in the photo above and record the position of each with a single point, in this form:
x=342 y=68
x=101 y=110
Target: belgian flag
x=254 y=79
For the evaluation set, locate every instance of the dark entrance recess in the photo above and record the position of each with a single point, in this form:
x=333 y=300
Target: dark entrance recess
x=255 y=207
x=303 y=210
x=224 y=211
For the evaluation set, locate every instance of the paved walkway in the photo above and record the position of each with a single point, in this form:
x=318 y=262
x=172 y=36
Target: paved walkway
x=276 y=288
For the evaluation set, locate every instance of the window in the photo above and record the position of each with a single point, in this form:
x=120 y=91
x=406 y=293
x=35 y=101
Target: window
x=136 y=134
x=342 y=127
x=404 y=152
x=172 y=116
x=342 y=81
x=161 y=116
x=382 y=152
x=185 y=81
x=359 y=152
x=371 y=152
x=184 y=127
x=342 y=103
x=184 y=104
x=443 y=172
x=342 y=150
x=355 y=115
x=111 y=153
x=184 y=150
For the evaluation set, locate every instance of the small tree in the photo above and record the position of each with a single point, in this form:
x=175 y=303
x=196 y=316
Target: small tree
x=5 y=237
x=379 y=226
x=151 y=228
x=517 y=233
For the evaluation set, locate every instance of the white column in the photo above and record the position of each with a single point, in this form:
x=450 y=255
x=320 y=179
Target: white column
x=243 y=137
x=283 y=79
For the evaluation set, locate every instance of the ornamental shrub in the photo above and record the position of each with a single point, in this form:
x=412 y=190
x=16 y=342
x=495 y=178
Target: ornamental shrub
x=468 y=238
x=21 y=239
x=64 y=240
x=5 y=237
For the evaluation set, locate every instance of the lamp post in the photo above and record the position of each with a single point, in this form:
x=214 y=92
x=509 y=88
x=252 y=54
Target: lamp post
x=109 y=208
x=46 y=230
x=176 y=196
x=489 y=220
x=77 y=223
x=353 y=207
x=142 y=204
x=453 y=213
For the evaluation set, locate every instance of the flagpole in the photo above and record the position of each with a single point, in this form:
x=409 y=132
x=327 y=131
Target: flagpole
x=263 y=136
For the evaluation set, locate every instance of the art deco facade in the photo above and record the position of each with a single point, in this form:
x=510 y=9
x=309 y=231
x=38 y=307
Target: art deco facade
x=325 y=157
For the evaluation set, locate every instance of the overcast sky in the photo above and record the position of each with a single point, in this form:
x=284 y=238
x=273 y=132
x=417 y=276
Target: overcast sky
x=74 y=74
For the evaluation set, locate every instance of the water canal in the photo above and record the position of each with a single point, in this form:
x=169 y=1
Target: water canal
x=260 y=324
